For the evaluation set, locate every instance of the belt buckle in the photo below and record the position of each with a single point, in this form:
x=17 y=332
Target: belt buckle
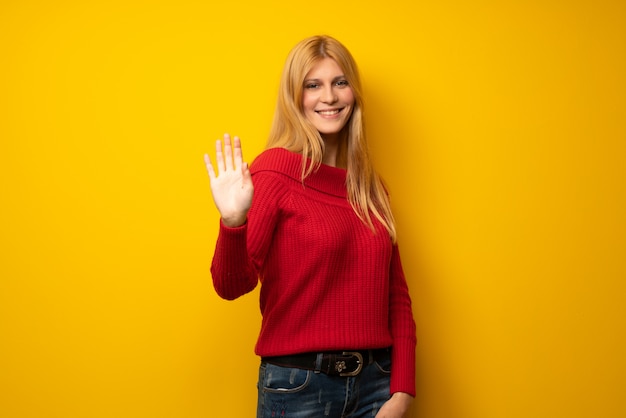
x=341 y=365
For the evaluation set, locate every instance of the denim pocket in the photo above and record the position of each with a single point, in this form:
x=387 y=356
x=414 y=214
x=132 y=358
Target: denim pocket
x=277 y=379
x=384 y=364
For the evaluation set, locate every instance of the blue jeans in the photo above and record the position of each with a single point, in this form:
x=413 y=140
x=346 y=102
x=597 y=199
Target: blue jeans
x=286 y=392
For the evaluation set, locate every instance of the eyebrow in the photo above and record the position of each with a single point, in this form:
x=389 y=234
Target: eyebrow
x=339 y=77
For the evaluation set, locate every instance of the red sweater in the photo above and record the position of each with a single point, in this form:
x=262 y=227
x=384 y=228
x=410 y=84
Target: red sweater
x=328 y=281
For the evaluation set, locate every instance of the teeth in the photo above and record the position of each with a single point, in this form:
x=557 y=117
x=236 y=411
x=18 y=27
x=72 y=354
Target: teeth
x=328 y=112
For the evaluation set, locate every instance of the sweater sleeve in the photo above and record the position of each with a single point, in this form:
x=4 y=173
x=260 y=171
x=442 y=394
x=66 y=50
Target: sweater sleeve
x=233 y=273
x=402 y=327
x=240 y=252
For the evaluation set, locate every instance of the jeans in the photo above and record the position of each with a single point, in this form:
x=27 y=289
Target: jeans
x=296 y=393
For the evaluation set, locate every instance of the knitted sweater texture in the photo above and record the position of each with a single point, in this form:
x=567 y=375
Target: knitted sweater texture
x=328 y=282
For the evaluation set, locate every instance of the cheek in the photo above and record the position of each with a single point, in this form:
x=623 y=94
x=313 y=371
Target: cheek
x=307 y=102
x=348 y=97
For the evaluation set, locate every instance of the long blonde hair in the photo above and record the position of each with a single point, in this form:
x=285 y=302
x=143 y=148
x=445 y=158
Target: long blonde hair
x=292 y=130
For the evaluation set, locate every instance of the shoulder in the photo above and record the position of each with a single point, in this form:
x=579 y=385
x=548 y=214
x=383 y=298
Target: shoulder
x=274 y=173
x=278 y=160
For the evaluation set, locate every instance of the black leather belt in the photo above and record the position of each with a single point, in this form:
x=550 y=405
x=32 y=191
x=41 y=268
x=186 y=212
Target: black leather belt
x=340 y=363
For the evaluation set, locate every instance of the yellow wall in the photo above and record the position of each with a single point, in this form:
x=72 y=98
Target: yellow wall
x=499 y=126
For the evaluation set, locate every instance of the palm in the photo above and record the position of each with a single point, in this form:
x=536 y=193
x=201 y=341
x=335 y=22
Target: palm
x=231 y=186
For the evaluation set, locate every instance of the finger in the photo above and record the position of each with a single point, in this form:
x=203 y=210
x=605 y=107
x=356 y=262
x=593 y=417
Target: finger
x=209 y=167
x=245 y=170
x=219 y=157
x=228 y=152
x=237 y=152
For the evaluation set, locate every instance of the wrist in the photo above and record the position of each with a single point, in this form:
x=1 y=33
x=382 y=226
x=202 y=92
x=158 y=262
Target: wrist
x=402 y=395
x=234 y=222
x=402 y=398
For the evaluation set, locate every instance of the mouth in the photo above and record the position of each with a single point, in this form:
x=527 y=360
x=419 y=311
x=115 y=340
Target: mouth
x=329 y=112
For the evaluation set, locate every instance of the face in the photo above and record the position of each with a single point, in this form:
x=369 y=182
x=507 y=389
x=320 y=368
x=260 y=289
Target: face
x=327 y=98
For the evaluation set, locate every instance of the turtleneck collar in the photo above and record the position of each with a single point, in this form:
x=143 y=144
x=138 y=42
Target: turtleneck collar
x=326 y=179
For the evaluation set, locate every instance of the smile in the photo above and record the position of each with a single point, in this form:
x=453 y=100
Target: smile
x=330 y=112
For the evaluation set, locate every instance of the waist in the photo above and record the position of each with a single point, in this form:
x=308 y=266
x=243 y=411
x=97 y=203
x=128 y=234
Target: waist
x=333 y=363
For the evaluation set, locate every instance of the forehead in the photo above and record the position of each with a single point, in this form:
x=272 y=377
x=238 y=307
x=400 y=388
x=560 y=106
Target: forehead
x=324 y=68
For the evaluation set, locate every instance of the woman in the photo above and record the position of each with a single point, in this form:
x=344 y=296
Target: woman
x=310 y=220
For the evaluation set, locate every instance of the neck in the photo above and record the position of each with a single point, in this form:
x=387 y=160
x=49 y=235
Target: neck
x=331 y=149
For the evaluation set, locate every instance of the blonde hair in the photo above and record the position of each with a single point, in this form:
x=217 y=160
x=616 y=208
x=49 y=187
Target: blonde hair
x=291 y=129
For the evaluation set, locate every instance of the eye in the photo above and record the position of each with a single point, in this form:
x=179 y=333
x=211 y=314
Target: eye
x=311 y=85
x=342 y=83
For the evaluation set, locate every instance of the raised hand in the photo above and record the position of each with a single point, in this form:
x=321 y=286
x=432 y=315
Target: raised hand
x=231 y=187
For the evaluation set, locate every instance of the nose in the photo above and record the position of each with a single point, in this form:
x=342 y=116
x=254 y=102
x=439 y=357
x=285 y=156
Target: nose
x=328 y=95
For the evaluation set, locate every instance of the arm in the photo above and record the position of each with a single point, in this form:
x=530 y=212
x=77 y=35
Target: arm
x=404 y=341
x=403 y=331
x=232 y=191
x=247 y=223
